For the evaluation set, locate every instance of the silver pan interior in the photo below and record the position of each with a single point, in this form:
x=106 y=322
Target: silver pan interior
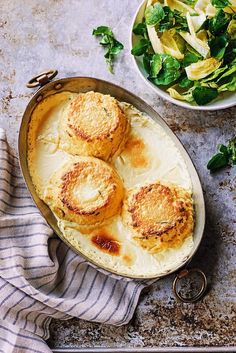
x=84 y=84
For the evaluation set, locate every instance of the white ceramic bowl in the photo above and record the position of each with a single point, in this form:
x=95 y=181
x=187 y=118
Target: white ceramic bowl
x=224 y=100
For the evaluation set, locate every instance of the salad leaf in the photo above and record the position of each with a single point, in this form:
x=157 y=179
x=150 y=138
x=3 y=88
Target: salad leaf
x=200 y=46
x=190 y=2
x=211 y=84
x=168 y=20
x=215 y=74
x=147 y=62
x=198 y=21
x=170 y=45
x=154 y=14
x=155 y=65
x=172 y=19
x=219 y=23
x=180 y=21
x=169 y=72
x=218 y=46
x=229 y=86
x=113 y=47
x=189 y=58
x=180 y=6
x=155 y=40
x=232 y=150
x=186 y=83
x=204 y=95
x=232 y=29
x=231 y=70
x=220 y=3
x=205 y=7
x=202 y=68
x=230 y=52
x=140 y=29
x=180 y=42
x=188 y=97
x=141 y=47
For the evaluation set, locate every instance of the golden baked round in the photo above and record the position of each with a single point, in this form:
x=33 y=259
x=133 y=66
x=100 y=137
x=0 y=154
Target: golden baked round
x=160 y=215
x=93 y=125
x=85 y=190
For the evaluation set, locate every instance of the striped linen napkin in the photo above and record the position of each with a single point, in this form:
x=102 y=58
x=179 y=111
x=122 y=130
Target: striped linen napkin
x=41 y=278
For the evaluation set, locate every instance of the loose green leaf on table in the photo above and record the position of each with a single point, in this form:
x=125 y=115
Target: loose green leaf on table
x=219 y=160
x=225 y=156
x=204 y=95
x=113 y=47
x=102 y=30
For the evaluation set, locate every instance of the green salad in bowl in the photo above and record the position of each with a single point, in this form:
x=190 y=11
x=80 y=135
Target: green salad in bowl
x=187 y=49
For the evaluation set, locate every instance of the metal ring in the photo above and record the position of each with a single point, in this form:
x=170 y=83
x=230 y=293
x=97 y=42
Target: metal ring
x=184 y=273
x=42 y=78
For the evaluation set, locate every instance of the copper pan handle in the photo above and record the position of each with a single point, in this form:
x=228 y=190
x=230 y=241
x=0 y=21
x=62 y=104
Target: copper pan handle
x=42 y=78
x=187 y=288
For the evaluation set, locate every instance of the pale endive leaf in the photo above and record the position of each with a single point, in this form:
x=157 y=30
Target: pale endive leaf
x=169 y=44
x=180 y=6
x=202 y=68
x=155 y=40
x=200 y=46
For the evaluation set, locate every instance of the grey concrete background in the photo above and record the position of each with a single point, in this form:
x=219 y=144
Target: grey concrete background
x=36 y=35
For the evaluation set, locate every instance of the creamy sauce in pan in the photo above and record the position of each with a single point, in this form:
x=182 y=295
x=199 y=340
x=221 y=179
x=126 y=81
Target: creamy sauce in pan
x=149 y=155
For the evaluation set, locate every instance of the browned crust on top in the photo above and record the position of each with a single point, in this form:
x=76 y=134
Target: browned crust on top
x=110 y=106
x=100 y=200
x=162 y=202
x=69 y=179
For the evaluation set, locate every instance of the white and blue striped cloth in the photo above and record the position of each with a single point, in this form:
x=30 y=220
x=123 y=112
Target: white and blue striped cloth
x=41 y=278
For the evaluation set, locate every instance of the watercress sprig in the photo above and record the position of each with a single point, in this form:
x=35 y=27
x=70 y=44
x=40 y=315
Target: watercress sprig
x=226 y=156
x=113 y=47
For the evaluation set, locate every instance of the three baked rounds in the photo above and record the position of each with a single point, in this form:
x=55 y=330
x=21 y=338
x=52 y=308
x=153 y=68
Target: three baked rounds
x=86 y=189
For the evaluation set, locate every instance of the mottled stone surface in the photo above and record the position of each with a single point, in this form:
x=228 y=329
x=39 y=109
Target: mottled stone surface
x=36 y=35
